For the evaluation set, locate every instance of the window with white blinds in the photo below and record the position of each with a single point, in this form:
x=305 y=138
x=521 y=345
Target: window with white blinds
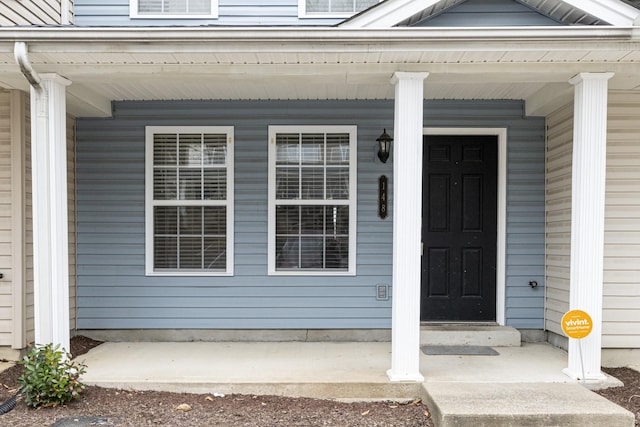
x=189 y=200
x=174 y=8
x=338 y=8
x=312 y=200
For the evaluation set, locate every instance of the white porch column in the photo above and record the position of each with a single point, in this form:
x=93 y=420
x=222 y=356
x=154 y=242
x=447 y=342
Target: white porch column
x=50 y=237
x=407 y=222
x=587 y=218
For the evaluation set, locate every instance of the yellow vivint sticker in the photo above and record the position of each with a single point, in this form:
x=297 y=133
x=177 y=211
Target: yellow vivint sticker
x=577 y=324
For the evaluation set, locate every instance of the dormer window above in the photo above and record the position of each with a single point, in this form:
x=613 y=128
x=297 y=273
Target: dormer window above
x=332 y=8
x=173 y=9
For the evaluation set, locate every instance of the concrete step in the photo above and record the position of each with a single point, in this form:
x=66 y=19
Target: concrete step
x=469 y=334
x=521 y=404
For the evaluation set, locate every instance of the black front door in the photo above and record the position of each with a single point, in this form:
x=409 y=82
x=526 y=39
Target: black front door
x=459 y=228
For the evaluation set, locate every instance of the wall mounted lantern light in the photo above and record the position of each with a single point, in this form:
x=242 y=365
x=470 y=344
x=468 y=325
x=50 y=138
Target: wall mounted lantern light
x=384 y=146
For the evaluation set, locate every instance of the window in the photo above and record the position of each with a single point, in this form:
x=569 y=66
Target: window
x=332 y=8
x=189 y=200
x=174 y=8
x=312 y=200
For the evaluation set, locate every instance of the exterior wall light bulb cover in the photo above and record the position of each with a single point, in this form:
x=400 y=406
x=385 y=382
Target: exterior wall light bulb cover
x=384 y=146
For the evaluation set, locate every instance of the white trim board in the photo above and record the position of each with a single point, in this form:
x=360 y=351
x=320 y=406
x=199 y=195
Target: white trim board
x=501 y=244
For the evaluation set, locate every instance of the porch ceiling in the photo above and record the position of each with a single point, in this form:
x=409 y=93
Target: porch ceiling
x=168 y=64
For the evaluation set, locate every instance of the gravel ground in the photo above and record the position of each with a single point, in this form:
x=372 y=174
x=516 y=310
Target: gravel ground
x=124 y=408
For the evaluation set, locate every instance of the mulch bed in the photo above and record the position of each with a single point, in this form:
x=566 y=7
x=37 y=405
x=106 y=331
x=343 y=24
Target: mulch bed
x=628 y=396
x=123 y=408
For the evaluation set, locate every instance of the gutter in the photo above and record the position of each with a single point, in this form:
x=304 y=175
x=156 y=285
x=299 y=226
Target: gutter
x=21 y=54
x=200 y=35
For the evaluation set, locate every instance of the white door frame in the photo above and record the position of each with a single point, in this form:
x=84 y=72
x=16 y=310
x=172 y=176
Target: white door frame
x=501 y=243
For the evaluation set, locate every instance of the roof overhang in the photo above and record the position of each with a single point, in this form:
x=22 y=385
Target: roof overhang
x=106 y=64
x=572 y=12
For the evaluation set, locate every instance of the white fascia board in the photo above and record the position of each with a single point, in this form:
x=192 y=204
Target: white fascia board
x=614 y=12
x=388 y=14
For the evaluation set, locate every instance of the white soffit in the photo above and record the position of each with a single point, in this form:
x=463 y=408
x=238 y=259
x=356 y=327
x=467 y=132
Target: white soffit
x=571 y=12
x=275 y=64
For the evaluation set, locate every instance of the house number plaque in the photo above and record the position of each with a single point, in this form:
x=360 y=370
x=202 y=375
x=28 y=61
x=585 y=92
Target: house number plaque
x=383 y=189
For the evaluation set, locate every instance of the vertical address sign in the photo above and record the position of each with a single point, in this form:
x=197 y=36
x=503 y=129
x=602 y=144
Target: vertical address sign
x=383 y=186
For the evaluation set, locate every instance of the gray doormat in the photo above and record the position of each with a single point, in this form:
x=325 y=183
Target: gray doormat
x=458 y=350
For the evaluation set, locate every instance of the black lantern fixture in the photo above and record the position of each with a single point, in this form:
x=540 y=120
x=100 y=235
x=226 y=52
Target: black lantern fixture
x=384 y=146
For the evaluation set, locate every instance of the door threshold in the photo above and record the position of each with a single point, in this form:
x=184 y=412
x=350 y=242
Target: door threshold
x=457 y=323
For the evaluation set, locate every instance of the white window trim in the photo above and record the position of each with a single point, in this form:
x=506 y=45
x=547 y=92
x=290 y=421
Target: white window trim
x=149 y=251
x=352 y=203
x=134 y=14
x=302 y=12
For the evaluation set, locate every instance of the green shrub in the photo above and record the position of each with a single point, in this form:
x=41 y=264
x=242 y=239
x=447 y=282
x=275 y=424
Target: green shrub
x=50 y=377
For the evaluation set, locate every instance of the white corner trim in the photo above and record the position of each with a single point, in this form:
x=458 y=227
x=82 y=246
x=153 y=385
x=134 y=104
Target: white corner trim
x=18 y=135
x=501 y=243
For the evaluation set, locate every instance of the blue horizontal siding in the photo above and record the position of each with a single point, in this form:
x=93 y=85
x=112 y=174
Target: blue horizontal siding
x=230 y=13
x=113 y=291
x=489 y=13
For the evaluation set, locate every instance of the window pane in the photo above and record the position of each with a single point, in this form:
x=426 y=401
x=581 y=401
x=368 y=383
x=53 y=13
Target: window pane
x=165 y=220
x=313 y=183
x=337 y=220
x=312 y=149
x=338 y=183
x=215 y=184
x=191 y=220
x=215 y=221
x=191 y=252
x=287 y=149
x=164 y=184
x=164 y=149
x=175 y=6
x=165 y=252
x=337 y=253
x=338 y=149
x=312 y=220
x=190 y=184
x=215 y=149
x=287 y=219
x=287 y=252
x=287 y=183
x=317 y=5
x=311 y=252
x=215 y=253
x=337 y=6
x=190 y=149
x=199 y=6
x=342 y=5
x=363 y=4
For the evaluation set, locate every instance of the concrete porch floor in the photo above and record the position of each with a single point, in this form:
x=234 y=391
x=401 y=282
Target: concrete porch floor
x=521 y=386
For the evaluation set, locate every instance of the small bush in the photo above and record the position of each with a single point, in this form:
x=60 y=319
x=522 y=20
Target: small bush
x=50 y=377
